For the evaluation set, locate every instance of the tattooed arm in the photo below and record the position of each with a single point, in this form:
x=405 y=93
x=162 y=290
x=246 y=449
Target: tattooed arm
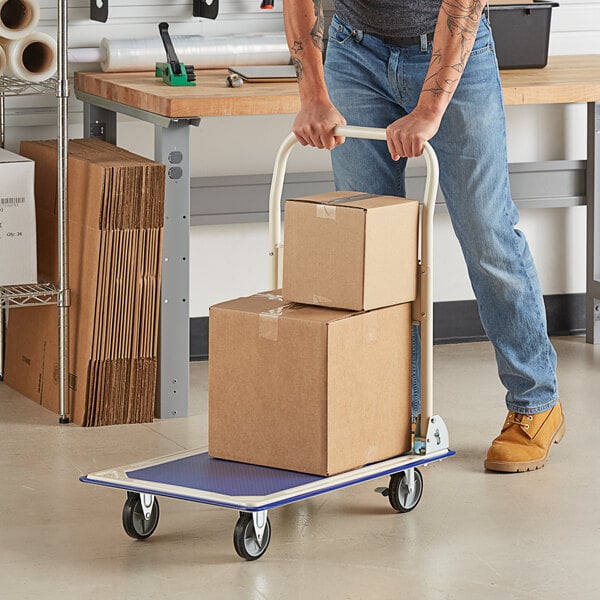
x=454 y=37
x=317 y=118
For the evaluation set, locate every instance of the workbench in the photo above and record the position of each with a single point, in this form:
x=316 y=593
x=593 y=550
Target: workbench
x=173 y=110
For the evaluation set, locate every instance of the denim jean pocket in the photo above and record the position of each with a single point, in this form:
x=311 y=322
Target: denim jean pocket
x=477 y=51
x=340 y=32
x=483 y=41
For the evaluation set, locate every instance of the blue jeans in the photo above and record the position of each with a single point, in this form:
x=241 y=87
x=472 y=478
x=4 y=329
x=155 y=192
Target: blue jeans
x=373 y=84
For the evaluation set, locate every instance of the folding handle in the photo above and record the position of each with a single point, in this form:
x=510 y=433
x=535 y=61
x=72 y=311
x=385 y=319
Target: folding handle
x=425 y=266
x=371 y=133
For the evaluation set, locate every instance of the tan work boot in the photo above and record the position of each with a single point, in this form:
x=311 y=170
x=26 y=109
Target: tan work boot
x=525 y=440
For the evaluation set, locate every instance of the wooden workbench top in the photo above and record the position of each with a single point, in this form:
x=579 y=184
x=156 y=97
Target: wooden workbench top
x=211 y=97
x=566 y=79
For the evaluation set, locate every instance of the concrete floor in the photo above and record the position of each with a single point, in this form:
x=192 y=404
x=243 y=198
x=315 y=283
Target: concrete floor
x=474 y=534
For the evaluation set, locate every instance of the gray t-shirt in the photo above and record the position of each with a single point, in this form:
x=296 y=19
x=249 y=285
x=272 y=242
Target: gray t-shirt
x=390 y=19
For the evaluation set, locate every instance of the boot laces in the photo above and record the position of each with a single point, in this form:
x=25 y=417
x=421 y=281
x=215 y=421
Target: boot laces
x=519 y=419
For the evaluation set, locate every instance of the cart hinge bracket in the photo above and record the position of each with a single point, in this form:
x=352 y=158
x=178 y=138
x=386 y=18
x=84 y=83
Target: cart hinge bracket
x=436 y=438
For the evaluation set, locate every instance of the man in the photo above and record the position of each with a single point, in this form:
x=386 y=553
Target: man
x=426 y=70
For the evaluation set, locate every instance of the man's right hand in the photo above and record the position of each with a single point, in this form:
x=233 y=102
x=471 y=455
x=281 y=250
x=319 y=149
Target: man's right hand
x=315 y=123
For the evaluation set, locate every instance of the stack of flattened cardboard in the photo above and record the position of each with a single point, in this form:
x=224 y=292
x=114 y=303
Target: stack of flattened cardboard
x=318 y=379
x=115 y=218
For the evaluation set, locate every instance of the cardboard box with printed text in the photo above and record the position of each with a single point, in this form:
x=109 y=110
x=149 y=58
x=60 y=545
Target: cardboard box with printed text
x=17 y=220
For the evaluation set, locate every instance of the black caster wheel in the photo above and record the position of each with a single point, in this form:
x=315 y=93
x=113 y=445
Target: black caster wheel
x=244 y=538
x=134 y=522
x=401 y=499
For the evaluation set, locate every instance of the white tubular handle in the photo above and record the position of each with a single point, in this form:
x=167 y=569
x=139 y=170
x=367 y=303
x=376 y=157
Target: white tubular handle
x=429 y=196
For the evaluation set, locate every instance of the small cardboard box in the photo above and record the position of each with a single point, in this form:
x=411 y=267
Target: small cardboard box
x=17 y=220
x=350 y=250
x=307 y=388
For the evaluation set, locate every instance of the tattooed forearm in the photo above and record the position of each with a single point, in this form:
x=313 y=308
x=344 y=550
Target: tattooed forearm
x=441 y=82
x=305 y=24
x=316 y=32
x=298 y=67
x=462 y=21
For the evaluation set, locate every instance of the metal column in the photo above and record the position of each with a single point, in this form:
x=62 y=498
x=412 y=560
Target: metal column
x=63 y=300
x=593 y=225
x=171 y=148
x=2 y=314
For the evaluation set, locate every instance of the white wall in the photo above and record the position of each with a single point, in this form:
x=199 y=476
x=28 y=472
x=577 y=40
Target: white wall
x=230 y=260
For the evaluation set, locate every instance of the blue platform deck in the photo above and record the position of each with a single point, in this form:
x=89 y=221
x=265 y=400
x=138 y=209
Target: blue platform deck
x=194 y=475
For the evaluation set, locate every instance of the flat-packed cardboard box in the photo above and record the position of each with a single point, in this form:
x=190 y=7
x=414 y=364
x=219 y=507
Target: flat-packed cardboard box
x=350 y=250
x=307 y=388
x=17 y=220
x=115 y=222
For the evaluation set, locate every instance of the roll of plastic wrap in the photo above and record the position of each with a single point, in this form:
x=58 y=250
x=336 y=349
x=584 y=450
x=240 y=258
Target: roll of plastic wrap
x=18 y=18
x=32 y=58
x=86 y=55
x=2 y=61
x=202 y=52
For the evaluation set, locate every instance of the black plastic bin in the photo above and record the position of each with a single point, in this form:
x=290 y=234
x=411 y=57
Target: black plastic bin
x=521 y=33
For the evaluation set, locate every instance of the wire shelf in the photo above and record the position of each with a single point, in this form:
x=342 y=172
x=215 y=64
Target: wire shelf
x=11 y=86
x=28 y=295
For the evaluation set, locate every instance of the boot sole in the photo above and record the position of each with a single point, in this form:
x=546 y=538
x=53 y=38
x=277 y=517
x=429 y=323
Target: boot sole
x=530 y=465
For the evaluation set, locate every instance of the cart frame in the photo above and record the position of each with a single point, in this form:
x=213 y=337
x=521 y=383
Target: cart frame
x=193 y=475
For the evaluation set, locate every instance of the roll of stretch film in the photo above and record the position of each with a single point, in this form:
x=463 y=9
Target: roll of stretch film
x=18 y=18
x=202 y=52
x=31 y=58
x=2 y=61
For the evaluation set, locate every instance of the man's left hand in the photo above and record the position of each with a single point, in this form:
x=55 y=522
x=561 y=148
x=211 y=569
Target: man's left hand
x=407 y=136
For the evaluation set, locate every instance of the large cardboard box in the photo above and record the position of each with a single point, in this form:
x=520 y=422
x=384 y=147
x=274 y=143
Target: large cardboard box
x=350 y=250
x=115 y=222
x=307 y=388
x=17 y=220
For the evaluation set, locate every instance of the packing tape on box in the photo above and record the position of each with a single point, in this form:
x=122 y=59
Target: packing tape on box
x=203 y=52
x=268 y=320
x=18 y=18
x=327 y=209
x=268 y=326
x=372 y=323
x=270 y=296
x=321 y=300
x=31 y=58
